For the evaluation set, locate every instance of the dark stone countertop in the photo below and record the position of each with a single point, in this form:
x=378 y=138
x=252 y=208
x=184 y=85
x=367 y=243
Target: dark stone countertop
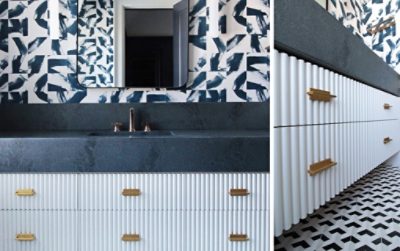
x=160 y=151
x=305 y=30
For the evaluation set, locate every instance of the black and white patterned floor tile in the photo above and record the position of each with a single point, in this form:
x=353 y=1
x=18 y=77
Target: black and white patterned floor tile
x=365 y=216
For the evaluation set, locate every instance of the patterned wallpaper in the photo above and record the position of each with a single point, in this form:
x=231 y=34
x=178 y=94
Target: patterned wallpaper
x=359 y=15
x=37 y=67
x=96 y=43
x=350 y=13
x=386 y=43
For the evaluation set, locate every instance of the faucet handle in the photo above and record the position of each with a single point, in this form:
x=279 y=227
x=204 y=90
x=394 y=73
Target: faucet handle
x=117 y=126
x=147 y=127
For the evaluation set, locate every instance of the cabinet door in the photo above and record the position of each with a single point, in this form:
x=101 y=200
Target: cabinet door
x=38 y=191
x=38 y=231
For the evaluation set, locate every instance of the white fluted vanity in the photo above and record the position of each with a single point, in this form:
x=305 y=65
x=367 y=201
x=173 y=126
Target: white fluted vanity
x=330 y=131
x=97 y=211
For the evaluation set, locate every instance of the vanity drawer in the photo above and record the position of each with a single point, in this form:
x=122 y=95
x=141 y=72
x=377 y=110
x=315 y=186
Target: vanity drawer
x=221 y=231
x=387 y=139
x=315 y=163
x=174 y=191
x=38 y=231
x=351 y=101
x=174 y=231
x=38 y=191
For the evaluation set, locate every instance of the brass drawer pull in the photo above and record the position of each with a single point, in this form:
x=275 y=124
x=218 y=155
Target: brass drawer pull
x=320 y=95
x=131 y=192
x=239 y=192
x=387 y=140
x=25 y=192
x=320 y=166
x=387 y=106
x=131 y=237
x=25 y=237
x=238 y=237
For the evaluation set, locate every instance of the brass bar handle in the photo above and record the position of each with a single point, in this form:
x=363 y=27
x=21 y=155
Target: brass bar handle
x=320 y=95
x=25 y=237
x=238 y=237
x=387 y=106
x=131 y=237
x=387 y=140
x=320 y=166
x=239 y=192
x=131 y=192
x=25 y=192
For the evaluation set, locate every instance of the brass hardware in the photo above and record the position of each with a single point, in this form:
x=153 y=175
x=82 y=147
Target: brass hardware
x=131 y=192
x=320 y=166
x=25 y=237
x=383 y=25
x=387 y=106
x=320 y=95
x=238 y=237
x=239 y=192
x=118 y=126
x=387 y=140
x=131 y=237
x=25 y=192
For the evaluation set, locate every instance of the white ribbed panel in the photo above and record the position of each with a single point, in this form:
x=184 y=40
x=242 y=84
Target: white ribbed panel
x=52 y=191
x=355 y=101
x=356 y=147
x=173 y=191
x=54 y=231
x=175 y=211
x=174 y=231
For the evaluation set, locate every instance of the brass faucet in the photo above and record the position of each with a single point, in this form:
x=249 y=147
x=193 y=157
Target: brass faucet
x=132 y=120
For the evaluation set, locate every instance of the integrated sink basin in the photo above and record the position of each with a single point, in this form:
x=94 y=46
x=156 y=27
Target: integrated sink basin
x=131 y=134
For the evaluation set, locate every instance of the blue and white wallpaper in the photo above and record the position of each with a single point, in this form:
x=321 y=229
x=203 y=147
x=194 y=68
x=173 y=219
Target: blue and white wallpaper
x=96 y=43
x=359 y=15
x=386 y=43
x=349 y=13
x=38 y=65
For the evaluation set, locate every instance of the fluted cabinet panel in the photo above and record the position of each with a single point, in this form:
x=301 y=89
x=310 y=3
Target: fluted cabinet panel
x=357 y=128
x=51 y=191
x=210 y=230
x=168 y=211
x=174 y=191
x=53 y=230
x=103 y=231
x=354 y=101
x=357 y=148
x=174 y=230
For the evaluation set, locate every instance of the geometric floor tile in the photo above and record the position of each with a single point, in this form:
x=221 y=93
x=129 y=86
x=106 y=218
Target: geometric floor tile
x=365 y=216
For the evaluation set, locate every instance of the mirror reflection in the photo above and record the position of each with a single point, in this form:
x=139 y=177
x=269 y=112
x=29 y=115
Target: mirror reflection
x=133 y=43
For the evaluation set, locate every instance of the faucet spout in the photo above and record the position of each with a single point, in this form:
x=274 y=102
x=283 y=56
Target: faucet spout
x=132 y=120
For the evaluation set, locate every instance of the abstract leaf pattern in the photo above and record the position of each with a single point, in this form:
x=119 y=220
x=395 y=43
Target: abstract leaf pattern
x=35 y=67
x=359 y=15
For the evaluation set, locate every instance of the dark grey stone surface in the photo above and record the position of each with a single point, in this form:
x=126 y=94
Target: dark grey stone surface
x=179 y=151
x=304 y=29
x=170 y=116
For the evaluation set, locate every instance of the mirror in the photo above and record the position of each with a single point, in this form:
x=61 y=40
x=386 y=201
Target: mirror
x=133 y=43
